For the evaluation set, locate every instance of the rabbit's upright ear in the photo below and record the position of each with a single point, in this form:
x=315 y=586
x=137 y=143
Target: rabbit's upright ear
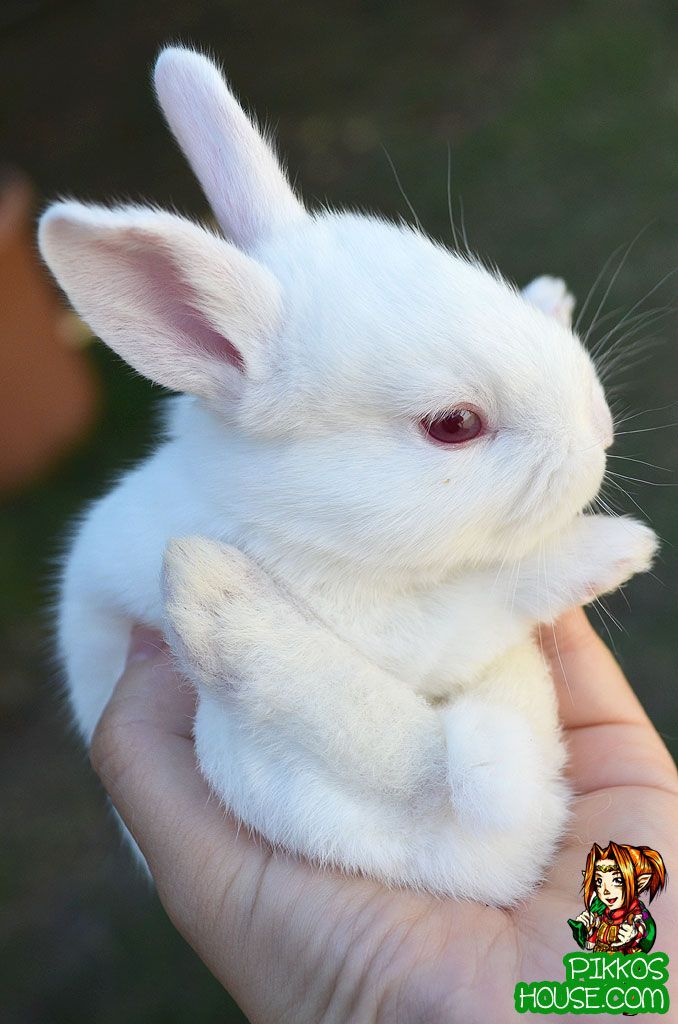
x=235 y=164
x=183 y=307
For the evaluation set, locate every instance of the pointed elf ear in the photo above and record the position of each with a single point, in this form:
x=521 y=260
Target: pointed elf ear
x=233 y=161
x=644 y=881
x=183 y=307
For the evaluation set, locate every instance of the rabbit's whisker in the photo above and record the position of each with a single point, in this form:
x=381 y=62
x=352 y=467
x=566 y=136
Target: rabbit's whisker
x=651 y=465
x=644 y=412
x=629 y=319
x=639 y=480
x=594 y=286
x=645 y=430
x=612 y=281
x=402 y=190
x=449 y=199
x=614 y=483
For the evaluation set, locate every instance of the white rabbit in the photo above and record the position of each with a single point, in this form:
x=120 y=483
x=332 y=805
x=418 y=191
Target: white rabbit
x=375 y=484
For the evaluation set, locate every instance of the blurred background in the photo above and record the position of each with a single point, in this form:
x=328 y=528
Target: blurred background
x=562 y=122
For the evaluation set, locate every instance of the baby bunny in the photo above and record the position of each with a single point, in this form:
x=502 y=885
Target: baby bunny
x=370 y=492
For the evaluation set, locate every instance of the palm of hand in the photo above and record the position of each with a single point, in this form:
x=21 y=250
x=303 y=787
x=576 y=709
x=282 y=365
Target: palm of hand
x=294 y=944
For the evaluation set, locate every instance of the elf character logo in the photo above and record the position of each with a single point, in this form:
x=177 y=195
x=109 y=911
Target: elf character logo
x=616 y=973
x=615 y=919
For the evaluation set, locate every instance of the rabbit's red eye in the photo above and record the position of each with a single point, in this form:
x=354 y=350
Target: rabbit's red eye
x=454 y=428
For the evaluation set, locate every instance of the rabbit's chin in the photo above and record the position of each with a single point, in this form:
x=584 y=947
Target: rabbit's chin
x=567 y=494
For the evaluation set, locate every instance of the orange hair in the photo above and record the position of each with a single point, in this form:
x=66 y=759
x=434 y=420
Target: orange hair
x=632 y=863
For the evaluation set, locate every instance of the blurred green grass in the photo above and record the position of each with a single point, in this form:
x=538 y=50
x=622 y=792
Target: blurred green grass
x=563 y=126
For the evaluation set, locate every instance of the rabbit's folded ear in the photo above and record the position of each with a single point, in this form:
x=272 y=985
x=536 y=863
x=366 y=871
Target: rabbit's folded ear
x=235 y=164
x=183 y=307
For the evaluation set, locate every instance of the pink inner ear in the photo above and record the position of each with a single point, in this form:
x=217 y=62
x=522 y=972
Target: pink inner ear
x=194 y=324
x=176 y=302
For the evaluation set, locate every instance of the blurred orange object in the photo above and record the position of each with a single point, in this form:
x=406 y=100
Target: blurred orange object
x=47 y=392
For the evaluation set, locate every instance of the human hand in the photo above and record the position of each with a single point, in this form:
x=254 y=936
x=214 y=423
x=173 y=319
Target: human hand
x=292 y=943
x=627 y=932
x=585 y=917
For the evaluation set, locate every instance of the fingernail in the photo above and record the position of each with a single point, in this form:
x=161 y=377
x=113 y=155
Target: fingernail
x=145 y=643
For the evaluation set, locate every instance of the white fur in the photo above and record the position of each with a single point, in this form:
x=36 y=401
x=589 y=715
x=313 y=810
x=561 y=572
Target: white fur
x=550 y=294
x=356 y=603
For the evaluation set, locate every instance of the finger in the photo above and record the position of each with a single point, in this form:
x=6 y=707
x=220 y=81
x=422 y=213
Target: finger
x=225 y=891
x=611 y=740
x=172 y=707
x=590 y=685
x=143 y=751
x=142 y=744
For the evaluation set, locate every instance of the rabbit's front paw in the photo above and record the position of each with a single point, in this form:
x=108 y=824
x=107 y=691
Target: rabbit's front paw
x=216 y=598
x=615 y=550
x=594 y=556
x=494 y=767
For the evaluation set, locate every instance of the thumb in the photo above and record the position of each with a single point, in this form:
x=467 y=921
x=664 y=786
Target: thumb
x=142 y=747
x=143 y=752
x=590 y=686
x=611 y=741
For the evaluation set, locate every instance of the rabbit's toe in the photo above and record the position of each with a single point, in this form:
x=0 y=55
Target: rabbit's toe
x=210 y=606
x=625 y=547
x=494 y=767
x=198 y=569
